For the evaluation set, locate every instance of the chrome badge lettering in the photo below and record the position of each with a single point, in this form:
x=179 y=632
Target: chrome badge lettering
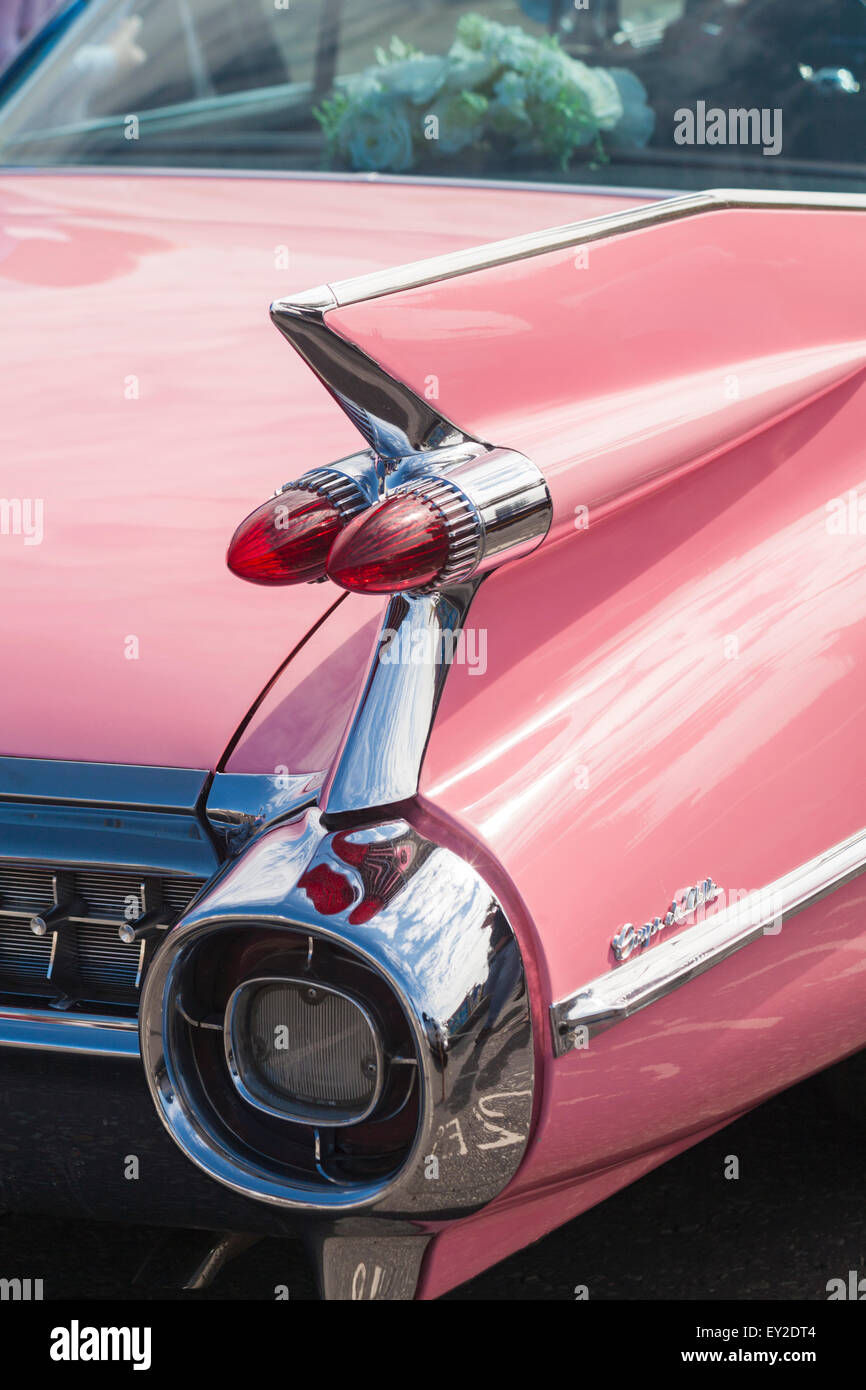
x=631 y=938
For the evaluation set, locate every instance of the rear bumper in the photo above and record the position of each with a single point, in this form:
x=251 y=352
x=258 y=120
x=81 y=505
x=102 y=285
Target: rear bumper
x=41 y=1030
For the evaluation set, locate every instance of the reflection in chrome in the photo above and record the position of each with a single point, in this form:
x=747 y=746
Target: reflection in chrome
x=623 y=991
x=240 y=804
x=392 y=419
x=80 y=843
x=342 y=485
x=69 y=829
x=496 y=505
x=388 y=734
x=41 y=1030
x=444 y=949
x=100 y=784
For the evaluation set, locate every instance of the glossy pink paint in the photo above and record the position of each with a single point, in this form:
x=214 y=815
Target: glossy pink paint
x=299 y=724
x=675 y=678
x=149 y=404
x=466 y=1248
x=650 y=351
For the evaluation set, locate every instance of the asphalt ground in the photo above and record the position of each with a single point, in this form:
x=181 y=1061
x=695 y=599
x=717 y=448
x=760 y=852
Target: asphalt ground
x=794 y=1219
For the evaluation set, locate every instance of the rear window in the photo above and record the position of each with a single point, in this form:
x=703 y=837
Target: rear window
x=652 y=93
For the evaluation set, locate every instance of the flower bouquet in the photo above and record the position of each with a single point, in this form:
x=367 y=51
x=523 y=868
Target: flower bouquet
x=497 y=94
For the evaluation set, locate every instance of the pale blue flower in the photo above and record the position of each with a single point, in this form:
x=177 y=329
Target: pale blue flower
x=636 y=125
x=511 y=89
x=376 y=134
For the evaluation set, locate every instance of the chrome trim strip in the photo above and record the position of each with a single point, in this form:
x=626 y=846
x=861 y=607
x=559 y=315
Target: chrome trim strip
x=241 y=803
x=83 y=835
x=627 y=988
x=342 y=293
x=44 y=1030
x=101 y=784
x=392 y=419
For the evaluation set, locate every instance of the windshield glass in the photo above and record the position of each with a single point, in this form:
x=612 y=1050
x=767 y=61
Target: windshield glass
x=656 y=93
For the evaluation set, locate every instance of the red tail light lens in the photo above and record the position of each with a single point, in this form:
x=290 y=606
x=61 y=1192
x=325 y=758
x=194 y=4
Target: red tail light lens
x=400 y=544
x=286 y=540
x=328 y=891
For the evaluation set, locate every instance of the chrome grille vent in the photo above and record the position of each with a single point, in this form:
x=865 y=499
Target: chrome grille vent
x=82 y=958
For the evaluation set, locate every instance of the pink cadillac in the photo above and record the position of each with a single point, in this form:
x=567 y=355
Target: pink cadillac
x=480 y=822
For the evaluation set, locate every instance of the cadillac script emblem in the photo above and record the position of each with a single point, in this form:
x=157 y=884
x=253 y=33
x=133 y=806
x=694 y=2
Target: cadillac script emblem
x=631 y=938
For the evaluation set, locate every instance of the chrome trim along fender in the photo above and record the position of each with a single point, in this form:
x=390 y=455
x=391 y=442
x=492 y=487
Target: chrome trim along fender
x=663 y=968
x=419 y=273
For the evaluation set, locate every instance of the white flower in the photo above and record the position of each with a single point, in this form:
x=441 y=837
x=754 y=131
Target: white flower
x=358 y=85
x=548 y=74
x=468 y=68
x=511 y=46
x=600 y=90
x=471 y=29
x=418 y=78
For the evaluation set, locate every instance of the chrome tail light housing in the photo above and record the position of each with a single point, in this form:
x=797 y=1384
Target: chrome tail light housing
x=322 y=1031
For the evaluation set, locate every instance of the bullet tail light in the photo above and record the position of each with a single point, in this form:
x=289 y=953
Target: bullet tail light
x=439 y=518
x=443 y=528
x=287 y=539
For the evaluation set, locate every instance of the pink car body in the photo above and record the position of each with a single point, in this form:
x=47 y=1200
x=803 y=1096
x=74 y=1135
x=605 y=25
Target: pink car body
x=665 y=691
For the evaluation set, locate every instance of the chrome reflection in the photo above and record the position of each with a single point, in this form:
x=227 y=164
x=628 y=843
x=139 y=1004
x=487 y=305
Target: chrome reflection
x=384 y=747
x=390 y=417
x=42 y=1030
x=428 y=925
x=240 y=804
